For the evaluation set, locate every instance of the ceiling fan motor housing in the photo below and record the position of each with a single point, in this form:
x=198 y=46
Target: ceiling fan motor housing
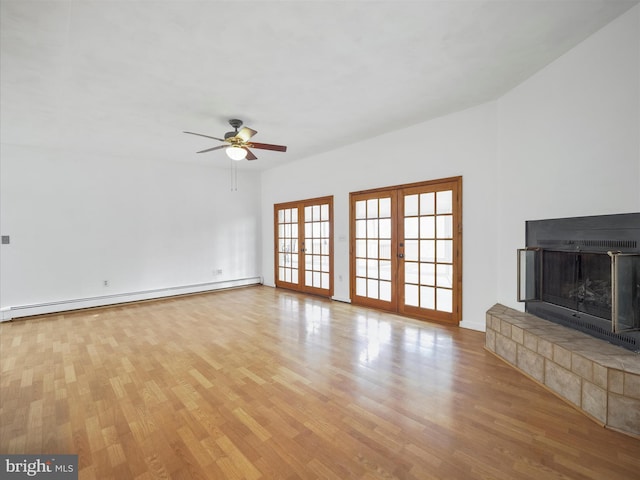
x=235 y=123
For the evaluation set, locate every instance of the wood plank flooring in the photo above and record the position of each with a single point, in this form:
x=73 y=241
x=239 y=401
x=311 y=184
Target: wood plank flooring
x=262 y=383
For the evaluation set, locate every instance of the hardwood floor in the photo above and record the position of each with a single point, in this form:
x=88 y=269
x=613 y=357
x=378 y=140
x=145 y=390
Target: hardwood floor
x=262 y=383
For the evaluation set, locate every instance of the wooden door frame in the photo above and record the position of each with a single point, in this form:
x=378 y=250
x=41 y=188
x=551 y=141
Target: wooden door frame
x=454 y=184
x=370 y=302
x=456 y=316
x=300 y=205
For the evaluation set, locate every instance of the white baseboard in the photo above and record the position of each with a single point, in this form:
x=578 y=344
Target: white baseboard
x=8 y=313
x=4 y=314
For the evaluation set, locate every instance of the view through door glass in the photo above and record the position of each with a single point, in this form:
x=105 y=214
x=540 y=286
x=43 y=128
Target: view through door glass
x=427 y=231
x=373 y=255
x=407 y=257
x=317 y=254
x=304 y=245
x=288 y=255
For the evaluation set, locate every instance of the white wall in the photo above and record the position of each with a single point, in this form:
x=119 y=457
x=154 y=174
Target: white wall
x=459 y=144
x=570 y=140
x=576 y=119
x=75 y=222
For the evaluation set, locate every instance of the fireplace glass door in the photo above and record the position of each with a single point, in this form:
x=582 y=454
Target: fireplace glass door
x=605 y=286
x=626 y=292
x=579 y=281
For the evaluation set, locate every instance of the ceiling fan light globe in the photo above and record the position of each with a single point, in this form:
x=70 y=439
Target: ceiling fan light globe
x=236 y=153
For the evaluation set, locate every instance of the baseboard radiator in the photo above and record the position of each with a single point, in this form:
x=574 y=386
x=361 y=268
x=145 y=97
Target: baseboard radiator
x=10 y=313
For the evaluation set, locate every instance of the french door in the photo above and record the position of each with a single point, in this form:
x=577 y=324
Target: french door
x=303 y=232
x=406 y=249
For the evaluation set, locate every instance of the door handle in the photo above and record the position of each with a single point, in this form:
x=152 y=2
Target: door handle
x=401 y=255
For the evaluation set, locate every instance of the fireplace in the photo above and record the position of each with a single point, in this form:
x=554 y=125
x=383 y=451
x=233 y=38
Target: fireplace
x=584 y=273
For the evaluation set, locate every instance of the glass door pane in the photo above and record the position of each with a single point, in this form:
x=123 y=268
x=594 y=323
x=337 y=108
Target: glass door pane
x=288 y=254
x=316 y=247
x=373 y=259
x=427 y=249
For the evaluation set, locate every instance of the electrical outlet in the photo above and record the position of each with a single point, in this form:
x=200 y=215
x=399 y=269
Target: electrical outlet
x=219 y=271
x=106 y=283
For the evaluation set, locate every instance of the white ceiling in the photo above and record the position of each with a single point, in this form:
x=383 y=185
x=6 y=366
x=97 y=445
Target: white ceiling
x=124 y=78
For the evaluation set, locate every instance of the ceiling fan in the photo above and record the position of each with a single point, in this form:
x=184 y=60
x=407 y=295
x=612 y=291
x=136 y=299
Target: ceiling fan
x=237 y=143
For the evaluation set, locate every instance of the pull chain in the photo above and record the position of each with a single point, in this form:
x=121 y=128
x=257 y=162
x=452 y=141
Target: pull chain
x=234 y=175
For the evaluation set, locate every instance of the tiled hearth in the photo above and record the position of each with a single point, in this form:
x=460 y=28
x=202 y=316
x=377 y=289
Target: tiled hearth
x=601 y=379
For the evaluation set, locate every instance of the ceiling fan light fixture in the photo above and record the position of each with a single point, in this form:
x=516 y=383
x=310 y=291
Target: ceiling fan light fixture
x=236 y=153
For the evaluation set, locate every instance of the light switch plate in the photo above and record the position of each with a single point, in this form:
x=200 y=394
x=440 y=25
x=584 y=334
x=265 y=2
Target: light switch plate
x=5 y=240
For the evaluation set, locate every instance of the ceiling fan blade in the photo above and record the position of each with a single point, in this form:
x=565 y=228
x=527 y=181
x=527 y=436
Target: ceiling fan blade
x=250 y=155
x=212 y=149
x=207 y=136
x=245 y=134
x=268 y=146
